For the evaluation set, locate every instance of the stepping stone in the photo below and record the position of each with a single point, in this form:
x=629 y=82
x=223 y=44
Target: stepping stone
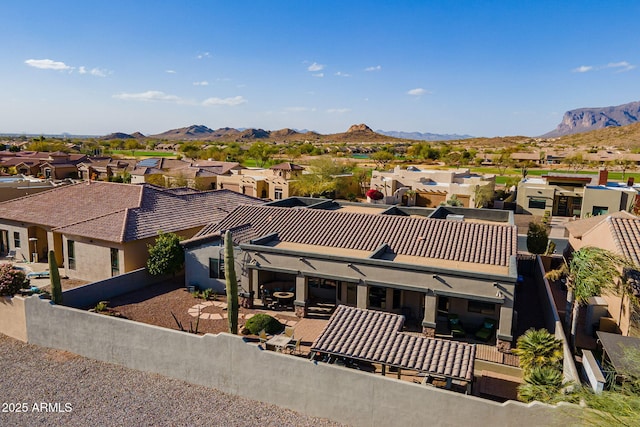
x=248 y=316
x=207 y=304
x=205 y=316
x=215 y=316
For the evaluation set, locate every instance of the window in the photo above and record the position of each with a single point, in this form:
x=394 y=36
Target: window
x=71 y=254
x=537 y=203
x=377 y=297
x=16 y=239
x=115 y=262
x=600 y=210
x=216 y=268
x=277 y=194
x=481 y=307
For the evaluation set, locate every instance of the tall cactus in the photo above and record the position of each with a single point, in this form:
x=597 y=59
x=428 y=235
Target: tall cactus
x=232 y=284
x=54 y=274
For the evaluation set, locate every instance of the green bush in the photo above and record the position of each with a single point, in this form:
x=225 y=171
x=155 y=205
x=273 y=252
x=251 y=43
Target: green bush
x=261 y=321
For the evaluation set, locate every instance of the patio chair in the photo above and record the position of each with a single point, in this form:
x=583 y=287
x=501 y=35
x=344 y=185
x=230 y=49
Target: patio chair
x=294 y=347
x=11 y=255
x=288 y=331
x=486 y=330
x=455 y=325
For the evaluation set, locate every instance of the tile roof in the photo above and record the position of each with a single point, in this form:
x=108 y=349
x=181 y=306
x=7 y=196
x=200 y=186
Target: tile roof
x=579 y=227
x=626 y=234
x=376 y=336
x=287 y=166
x=460 y=241
x=122 y=212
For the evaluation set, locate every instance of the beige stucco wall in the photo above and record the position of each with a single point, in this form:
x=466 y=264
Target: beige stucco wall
x=612 y=199
x=13 y=321
x=527 y=191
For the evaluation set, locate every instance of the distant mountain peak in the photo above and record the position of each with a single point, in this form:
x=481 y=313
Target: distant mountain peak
x=359 y=128
x=588 y=119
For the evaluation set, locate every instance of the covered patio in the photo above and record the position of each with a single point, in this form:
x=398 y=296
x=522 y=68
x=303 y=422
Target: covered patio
x=357 y=337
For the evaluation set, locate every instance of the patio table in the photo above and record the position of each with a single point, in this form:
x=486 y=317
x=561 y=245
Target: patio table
x=279 y=341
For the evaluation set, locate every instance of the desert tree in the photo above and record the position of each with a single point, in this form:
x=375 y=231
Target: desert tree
x=166 y=255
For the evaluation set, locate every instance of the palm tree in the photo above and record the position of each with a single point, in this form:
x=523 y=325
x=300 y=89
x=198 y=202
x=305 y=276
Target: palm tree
x=543 y=384
x=590 y=272
x=537 y=348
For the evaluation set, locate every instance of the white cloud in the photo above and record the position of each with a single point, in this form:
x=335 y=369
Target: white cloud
x=338 y=110
x=621 y=66
x=318 y=75
x=374 y=68
x=341 y=74
x=150 y=95
x=233 y=101
x=315 y=67
x=48 y=64
x=98 y=72
x=202 y=83
x=82 y=70
x=204 y=55
x=417 y=92
x=582 y=69
x=170 y=71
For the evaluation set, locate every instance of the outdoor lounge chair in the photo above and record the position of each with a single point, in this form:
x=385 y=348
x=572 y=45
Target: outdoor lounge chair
x=294 y=347
x=288 y=331
x=486 y=330
x=457 y=330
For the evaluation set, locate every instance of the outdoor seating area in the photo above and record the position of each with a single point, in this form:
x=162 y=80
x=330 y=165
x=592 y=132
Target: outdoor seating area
x=357 y=337
x=277 y=295
x=286 y=342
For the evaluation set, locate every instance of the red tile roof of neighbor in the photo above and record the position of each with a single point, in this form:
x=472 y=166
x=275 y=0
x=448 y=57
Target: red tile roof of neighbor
x=626 y=234
x=376 y=336
x=460 y=241
x=122 y=212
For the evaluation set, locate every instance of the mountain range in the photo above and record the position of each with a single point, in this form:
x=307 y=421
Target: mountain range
x=588 y=119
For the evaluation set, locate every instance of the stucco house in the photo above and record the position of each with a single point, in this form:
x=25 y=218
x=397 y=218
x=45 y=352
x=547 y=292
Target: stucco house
x=431 y=186
x=55 y=165
x=384 y=258
x=620 y=234
x=578 y=195
x=101 y=229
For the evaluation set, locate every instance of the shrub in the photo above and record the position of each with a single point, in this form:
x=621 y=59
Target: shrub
x=11 y=280
x=166 y=256
x=537 y=238
x=261 y=321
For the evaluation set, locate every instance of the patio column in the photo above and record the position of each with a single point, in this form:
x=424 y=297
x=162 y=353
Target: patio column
x=362 y=295
x=301 y=303
x=430 y=310
x=254 y=282
x=503 y=335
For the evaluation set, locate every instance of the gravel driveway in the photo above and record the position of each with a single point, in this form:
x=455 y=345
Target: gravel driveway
x=54 y=387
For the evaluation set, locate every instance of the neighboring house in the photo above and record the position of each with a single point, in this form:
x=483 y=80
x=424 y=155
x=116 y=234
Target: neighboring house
x=575 y=195
x=100 y=229
x=103 y=168
x=14 y=186
x=618 y=233
x=201 y=174
x=56 y=165
x=431 y=186
x=273 y=183
x=459 y=261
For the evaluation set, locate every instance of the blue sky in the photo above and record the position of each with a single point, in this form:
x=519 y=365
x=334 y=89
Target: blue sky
x=484 y=68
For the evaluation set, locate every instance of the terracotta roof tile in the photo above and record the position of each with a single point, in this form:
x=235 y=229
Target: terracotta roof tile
x=421 y=237
x=122 y=212
x=626 y=234
x=376 y=336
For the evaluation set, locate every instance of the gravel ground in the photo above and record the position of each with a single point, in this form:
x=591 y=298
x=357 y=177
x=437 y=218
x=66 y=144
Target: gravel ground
x=97 y=393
